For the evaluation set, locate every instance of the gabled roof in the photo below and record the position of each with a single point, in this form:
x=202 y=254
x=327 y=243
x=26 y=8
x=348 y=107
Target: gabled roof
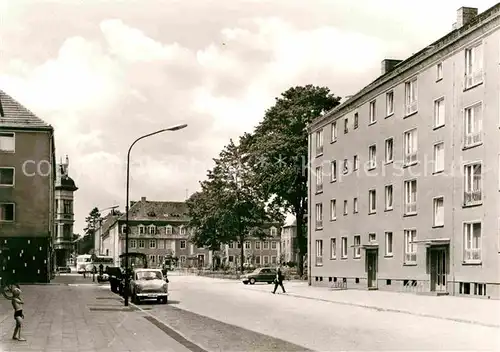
x=109 y=221
x=14 y=115
x=146 y=210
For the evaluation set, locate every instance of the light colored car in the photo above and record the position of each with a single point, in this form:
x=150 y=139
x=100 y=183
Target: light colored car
x=148 y=284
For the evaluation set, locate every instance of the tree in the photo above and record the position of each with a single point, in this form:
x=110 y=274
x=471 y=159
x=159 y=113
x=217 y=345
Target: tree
x=228 y=207
x=92 y=221
x=278 y=151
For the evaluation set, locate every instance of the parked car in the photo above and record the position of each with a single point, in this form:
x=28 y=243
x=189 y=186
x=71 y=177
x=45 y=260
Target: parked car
x=149 y=284
x=260 y=275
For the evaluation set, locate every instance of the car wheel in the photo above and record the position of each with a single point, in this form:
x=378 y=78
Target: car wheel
x=164 y=300
x=245 y=282
x=252 y=281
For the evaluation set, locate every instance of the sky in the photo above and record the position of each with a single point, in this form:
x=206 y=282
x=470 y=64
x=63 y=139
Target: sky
x=106 y=72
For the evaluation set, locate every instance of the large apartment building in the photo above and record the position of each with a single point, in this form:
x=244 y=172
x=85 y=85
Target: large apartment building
x=27 y=159
x=404 y=177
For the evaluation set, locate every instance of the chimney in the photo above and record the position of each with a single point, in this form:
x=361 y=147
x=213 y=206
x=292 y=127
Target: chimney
x=464 y=16
x=388 y=65
x=143 y=199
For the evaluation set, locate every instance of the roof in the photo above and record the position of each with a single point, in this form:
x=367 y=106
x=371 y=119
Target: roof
x=146 y=210
x=109 y=221
x=15 y=115
x=424 y=54
x=67 y=183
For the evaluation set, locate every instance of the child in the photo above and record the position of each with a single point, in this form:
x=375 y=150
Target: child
x=17 y=304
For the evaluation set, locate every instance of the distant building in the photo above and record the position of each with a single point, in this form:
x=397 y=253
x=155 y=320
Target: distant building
x=64 y=195
x=289 y=252
x=404 y=177
x=27 y=162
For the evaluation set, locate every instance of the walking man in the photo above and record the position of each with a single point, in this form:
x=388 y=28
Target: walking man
x=278 y=281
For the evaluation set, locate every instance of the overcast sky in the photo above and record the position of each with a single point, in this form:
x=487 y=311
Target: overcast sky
x=105 y=72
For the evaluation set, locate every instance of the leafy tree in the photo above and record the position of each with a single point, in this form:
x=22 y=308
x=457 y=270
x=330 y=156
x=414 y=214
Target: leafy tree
x=278 y=151
x=228 y=207
x=92 y=221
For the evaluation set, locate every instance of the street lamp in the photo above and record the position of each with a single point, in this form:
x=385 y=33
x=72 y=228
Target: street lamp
x=170 y=129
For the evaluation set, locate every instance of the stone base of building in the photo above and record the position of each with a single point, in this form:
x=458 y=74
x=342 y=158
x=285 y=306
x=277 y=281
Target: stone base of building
x=465 y=289
x=25 y=259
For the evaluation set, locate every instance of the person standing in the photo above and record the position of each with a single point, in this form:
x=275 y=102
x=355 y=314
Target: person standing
x=17 y=304
x=278 y=281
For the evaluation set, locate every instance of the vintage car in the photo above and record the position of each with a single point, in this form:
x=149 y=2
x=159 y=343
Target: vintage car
x=260 y=275
x=148 y=284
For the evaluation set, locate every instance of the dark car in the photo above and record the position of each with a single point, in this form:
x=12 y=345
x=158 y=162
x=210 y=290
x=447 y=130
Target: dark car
x=260 y=275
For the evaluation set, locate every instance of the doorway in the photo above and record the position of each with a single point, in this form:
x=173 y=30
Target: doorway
x=438 y=269
x=371 y=267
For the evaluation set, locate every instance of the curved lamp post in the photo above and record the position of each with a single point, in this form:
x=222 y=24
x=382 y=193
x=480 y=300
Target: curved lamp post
x=170 y=129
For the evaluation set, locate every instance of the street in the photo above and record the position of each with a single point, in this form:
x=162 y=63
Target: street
x=206 y=314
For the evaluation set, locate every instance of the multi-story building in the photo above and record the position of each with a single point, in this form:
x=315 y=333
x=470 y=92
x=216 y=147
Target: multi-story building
x=64 y=195
x=289 y=244
x=404 y=177
x=27 y=161
x=158 y=229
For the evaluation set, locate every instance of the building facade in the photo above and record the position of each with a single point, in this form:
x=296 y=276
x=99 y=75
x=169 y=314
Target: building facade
x=64 y=216
x=404 y=177
x=289 y=251
x=27 y=161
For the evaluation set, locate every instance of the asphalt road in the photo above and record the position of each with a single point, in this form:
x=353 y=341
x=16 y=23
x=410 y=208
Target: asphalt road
x=222 y=315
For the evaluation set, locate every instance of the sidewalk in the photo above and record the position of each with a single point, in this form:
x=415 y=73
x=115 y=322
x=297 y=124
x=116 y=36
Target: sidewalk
x=461 y=309
x=80 y=316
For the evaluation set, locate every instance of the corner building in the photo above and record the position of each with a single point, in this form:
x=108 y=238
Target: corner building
x=404 y=177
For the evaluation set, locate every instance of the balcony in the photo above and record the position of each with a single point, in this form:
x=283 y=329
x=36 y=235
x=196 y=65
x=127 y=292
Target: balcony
x=410 y=158
x=411 y=107
x=473 y=79
x=410 y=208
x=319 y=261
x=472 y=255
x=473 y=197
x=410 y=258
x=473 y=138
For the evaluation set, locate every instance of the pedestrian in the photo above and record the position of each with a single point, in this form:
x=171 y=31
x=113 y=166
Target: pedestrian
x=278 y=281
x=17 y=304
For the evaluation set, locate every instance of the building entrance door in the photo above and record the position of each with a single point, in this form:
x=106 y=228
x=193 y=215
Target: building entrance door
x=371 y=267
x=438 y=269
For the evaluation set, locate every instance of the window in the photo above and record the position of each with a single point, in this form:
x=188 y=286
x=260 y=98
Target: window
x=372 y=237
x=183 y=231
x=319 y=216
x=389 y=198
x=319 y=179
x=266 y=259
x=274 y=245
x=142 y=244
x=355 y=205
x=439 y=157
x=319 y=252
x=439 y=71
x=389 y=103
x=372 y=201
x=410 y=200
x=343 y=247
x=346 y=126
x=152 y=244
x=142 y=229
x=273 y=259
x=247 y=245
x=124 y=229
x=356 y=120
x=183 y=244
x=372 y=112
x=168 y=230
x=7 y=176
x=266 y=245
x=472 y=242
x=333 y=248
x=68 y=207
x=357 y=246
x=410 y=147
x=257 y=245
x=388 y=244
x=473 y=125
x=356 y=163
x=372 y=157
x=7 y=212
x=439 y=113
x=411 y=96
x=438 y=211
x=231 y=245
x=473 y=184
x=389 y=150
x=334 y=131
x=133 y=244
x=473 y=66
x=333 y=209
x=345 y=207
x=333 y=171
x=319 y=143
x=345 y=169
x=410 y=246
x=7 y=142
x=273 y=231
x=152 y=229
x=257 y=260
